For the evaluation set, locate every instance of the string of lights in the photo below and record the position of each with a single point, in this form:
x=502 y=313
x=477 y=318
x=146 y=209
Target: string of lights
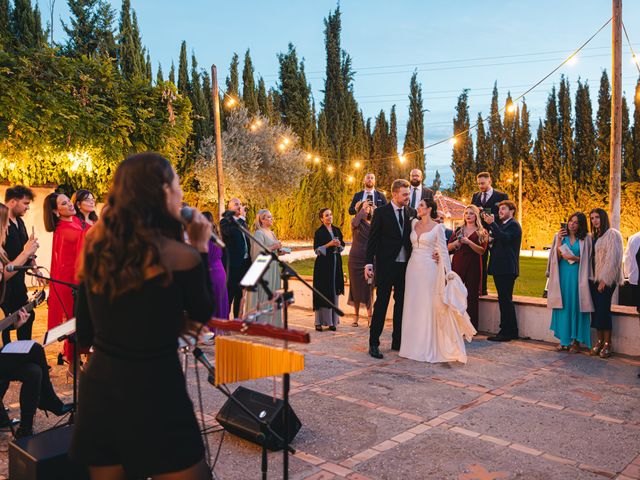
x=511 y=108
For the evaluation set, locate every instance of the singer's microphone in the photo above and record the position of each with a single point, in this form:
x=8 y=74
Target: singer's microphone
x=187 y=215
x=202 y=358
x=228 y=214
x=18 y=268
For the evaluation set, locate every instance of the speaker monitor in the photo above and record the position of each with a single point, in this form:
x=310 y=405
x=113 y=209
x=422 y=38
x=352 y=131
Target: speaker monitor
x=235 y=420
x=44 y=457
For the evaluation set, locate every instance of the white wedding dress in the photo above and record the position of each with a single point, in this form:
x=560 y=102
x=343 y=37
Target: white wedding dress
x=434 y=321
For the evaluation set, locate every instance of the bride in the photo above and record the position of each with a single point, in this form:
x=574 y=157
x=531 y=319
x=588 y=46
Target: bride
x=435 y=322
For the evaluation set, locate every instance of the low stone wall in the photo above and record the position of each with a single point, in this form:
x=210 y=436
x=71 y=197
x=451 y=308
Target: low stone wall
x=534 y=319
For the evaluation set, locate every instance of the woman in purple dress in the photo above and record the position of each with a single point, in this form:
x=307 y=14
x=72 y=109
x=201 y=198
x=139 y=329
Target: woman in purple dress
x=218 y=275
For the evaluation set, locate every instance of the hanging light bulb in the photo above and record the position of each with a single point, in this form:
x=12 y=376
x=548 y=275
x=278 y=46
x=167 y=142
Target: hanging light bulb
x=572 y=60
x=350 y=179
x=357 y=165
x=316 y=160
x=402 y=158
x=453 y=140
x=511 y=108
x=330 y=169
x=309 y=156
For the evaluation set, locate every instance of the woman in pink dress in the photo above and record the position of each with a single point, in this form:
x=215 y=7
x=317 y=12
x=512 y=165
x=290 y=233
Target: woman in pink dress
x=68 y=235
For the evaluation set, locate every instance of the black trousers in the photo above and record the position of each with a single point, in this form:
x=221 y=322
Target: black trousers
x=234 y=290
x=32 y=371
x=23 y=333
x=390 y=278
x=485 y=262
x=508 y=320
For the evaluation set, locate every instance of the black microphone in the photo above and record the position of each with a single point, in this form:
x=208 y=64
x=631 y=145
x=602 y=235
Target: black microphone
x=18 y=268
x=187 y=215
x=202 y=358
x=228 y=214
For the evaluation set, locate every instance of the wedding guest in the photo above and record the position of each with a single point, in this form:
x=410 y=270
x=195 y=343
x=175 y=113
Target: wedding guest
x=468 y=246
x=327 y=270
x=607 y=275
x=21 y=249
x=369 y=194
x=217 y=273
x=568 y=270
x=486 y=199
x=418 y=191
x=504 y=266
x=85 y=205
x=631 y=265
x=60 y=219
x=360 y=289
x=256 y=299
x=238 y=253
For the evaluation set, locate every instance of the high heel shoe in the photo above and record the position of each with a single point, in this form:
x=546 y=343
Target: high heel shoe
x=59 y=410
x=596 y=349
x=606 y=350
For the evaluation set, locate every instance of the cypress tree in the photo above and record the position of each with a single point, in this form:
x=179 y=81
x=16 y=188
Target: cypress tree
x=294 y=95
x=462 y=160
x=437 y=182
x=208 y=95
x=172 y=73
x=159 y=75
x=627 y=145
x=262 y=97
x=585 y=142
x=82 y=28
x=23 y=25
x=495 y=135
x=396 y=169
x=413 y=148
x=603 y=135
x=183 y=70
x=524 y=138
x=5 y=31
x=633 y=166
x=380 y=165
x=483 y=147
x=105 y=37
x=129 y=54
x=550 y=148
x=233 y=83
x=249 y=97
x=566 y=144
x=510 y=126
x=202 y=127
x=39 y=34
x=148 y=68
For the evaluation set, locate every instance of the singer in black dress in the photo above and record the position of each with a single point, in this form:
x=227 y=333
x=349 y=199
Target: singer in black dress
x=135 y=418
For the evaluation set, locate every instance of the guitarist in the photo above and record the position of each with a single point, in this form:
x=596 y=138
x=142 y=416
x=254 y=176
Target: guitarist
x=29 y=368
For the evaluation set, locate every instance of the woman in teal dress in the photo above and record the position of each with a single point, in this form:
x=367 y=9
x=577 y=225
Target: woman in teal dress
x=569 y=270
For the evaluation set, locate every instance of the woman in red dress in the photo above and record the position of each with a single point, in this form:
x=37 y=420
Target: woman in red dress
x=468 y=245
x=68 y=235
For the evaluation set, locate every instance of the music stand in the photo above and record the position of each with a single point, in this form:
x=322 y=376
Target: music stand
x=60 y=333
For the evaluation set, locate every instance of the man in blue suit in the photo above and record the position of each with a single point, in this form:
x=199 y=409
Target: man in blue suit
x=368 y=194
x=504 y=266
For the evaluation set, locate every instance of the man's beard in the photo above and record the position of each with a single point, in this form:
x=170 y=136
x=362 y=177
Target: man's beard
x=415 y=183
x=369 y=186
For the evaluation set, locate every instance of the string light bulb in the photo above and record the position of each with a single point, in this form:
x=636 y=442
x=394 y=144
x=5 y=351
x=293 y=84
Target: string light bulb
x=350 y=179
x=316 y=160
x=357 y=165
x=282 y=146
x=286 y=141
x=402 y=158
x=453 y=140
x=231 y=102
x=309 y=156
x=572 y=60
x=511 y=108
x=330 y=169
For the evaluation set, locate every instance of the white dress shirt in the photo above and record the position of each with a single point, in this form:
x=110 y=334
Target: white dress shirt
x=369 y=192
x=402 y=255
x=630 y=263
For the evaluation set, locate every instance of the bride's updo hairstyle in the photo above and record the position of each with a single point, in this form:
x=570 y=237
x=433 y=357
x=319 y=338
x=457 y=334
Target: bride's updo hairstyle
x=430 y=203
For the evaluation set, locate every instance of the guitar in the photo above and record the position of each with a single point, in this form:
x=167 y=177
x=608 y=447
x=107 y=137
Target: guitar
x=36 y=299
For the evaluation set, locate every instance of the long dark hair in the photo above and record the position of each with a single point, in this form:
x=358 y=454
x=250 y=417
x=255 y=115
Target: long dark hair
x=604 y=223
x=78 y=197
x=582 y=224
x=209 y=216
x=51 y=220
x=124 y=244
x=430 y=203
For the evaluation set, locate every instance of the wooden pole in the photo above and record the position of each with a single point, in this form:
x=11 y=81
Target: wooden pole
x=615 y=159
x=520 y=180
x=217 y=127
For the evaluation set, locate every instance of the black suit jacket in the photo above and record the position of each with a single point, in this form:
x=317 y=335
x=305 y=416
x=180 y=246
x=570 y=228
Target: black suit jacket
x=378 y=199
x=427 y=193
x=385 y=239
x=505 y=251
x=237 y=243
x=492 y=202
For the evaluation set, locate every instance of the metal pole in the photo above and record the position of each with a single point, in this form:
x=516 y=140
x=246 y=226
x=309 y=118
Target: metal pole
x=615 y=159
x=216 y=124
x=520 y=180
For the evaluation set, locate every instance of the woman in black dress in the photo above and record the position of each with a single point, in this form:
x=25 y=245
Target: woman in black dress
x=327 y=270
x=138 y=277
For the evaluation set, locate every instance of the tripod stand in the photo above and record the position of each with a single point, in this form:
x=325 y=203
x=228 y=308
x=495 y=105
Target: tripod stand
x=286 y=273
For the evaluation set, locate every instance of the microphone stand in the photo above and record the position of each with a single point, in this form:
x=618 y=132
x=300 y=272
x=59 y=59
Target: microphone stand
x=72 y=340
x=286 y=274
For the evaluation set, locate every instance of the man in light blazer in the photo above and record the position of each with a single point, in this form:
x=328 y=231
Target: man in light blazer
x=369 y=193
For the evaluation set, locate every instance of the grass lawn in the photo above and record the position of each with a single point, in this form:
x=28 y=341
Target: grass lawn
x=530 y=283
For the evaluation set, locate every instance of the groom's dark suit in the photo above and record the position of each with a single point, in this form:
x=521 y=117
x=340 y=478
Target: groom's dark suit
x=384 y=248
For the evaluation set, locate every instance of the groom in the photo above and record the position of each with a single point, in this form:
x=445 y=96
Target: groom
x=389 y=246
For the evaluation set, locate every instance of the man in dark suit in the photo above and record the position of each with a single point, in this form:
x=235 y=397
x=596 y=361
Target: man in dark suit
x=389 y=246
x=418 y=191
x=504 y=265
x=487 y=198
x=237 y=253
x=369 y=193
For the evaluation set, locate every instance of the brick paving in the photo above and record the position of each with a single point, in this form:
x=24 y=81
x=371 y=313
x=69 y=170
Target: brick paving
x=515 y=411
